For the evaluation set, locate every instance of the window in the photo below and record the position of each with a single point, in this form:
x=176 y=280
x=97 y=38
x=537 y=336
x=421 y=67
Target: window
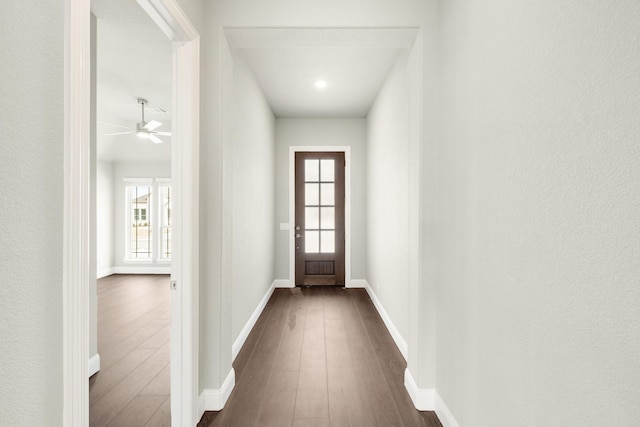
x=139 y=214
x=148 y=210
x=139 y=199
x=164 y=191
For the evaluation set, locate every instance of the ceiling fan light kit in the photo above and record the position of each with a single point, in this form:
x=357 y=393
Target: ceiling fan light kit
x=146 y=129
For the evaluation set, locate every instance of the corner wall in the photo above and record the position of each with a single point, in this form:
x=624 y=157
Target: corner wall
x=538 y=290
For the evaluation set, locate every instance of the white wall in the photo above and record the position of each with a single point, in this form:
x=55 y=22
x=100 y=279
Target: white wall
x=105 y=217
x=31 y=190
x=123 y=170
x=322 y=132
x=388 y=177
x=538 y=290
x=252 y=171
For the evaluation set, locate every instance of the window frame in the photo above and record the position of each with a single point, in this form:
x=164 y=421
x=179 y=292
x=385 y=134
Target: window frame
x=151 y=215
x=166 y=183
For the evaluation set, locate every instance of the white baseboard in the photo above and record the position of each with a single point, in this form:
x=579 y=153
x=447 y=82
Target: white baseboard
x=215 y=399
x=424 y=399
x=105 y=272
x=143 y=269
x=395 y=334
x=444 y=414
x=283 y=283
x=239 y=342
x=357 y=283
x=353 y=283
x=94 y=364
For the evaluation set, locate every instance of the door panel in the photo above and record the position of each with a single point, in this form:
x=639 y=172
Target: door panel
x=319 y=222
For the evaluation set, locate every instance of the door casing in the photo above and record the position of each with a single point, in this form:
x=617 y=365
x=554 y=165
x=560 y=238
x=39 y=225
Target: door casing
x=347 y=207
x=337 y=257
x=185 y=174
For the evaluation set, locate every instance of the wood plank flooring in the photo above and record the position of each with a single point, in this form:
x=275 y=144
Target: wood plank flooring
x=132 y=387
x=319 y=356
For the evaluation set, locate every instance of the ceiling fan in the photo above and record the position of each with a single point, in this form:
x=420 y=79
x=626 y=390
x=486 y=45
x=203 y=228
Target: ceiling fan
x=146 y=129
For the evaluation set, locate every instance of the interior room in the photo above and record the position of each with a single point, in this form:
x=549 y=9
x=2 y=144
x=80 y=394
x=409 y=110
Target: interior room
x=131 y=203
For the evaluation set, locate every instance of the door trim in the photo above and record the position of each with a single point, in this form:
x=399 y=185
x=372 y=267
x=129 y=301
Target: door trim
x=347 y=207
x=185 y=150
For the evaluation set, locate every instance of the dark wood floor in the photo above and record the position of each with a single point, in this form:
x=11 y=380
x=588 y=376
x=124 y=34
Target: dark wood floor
x=319 y=357
x=132 y=387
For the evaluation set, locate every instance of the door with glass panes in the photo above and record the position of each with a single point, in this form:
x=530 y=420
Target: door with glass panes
x=319 y=221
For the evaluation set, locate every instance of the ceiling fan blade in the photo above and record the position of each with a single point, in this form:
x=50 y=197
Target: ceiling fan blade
x=118 y=133
x=151 y=125
x=163 y=133
x=102 y=122
x=155 y=139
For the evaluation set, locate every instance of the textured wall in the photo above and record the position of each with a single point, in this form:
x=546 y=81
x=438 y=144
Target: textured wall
x=539 y=290
x=31 y=191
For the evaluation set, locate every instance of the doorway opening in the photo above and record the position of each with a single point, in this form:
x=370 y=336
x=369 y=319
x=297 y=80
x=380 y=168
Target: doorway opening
x=184 y=171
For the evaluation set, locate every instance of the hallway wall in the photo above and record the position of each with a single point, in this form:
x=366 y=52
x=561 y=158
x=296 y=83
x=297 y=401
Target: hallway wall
x=252 y=175
x=388 y=177
x=318 y=132
x=538 y=290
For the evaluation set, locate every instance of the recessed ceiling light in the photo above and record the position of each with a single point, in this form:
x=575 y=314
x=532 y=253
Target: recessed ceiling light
x=320 y=84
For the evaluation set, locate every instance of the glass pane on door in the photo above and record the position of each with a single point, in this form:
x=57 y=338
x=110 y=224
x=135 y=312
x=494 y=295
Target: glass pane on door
x=312 y=170
x=311 y=194
x=312 y=242
x=328 y=218
x=327 y=194
x=327 y=167
x=312 y=218
x=327 y=242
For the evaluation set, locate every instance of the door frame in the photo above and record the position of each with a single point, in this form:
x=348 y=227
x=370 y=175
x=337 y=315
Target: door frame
x=185 y=175
x=347 y=207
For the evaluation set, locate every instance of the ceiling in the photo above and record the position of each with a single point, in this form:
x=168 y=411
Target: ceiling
x=134 y=60
x=353 y=62
x=287 y=76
